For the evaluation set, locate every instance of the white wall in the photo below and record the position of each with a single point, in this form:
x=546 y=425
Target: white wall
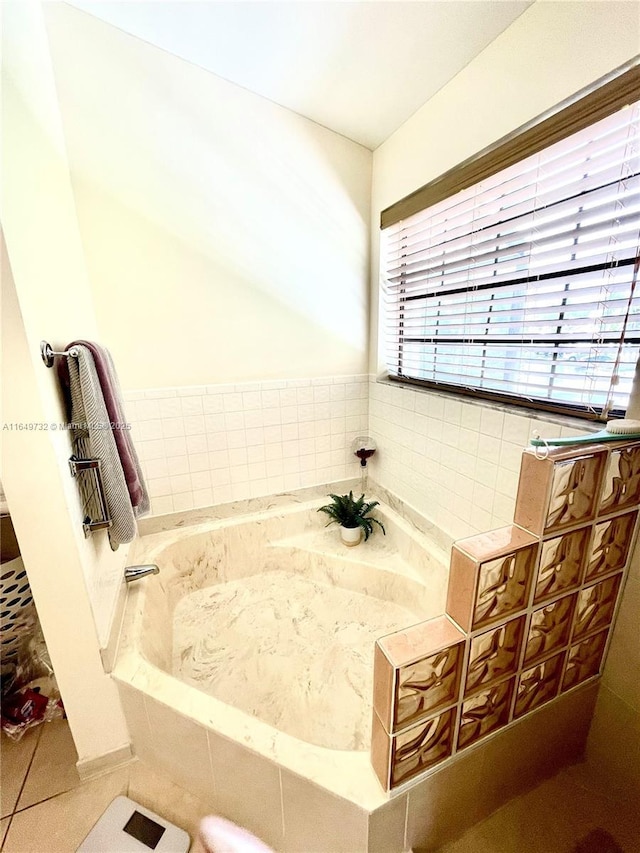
x=73 y=579
x=226 y=237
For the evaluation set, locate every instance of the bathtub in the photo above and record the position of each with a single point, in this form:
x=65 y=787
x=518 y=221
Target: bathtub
x=259 y=630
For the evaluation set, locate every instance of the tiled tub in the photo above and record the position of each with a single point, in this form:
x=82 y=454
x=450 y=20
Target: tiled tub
x=245 y=671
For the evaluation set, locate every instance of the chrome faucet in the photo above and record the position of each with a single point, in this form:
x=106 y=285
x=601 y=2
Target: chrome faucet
x=132 y=573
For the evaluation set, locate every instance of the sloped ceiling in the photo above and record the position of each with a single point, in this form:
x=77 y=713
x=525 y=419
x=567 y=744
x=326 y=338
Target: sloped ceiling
x=358 y=68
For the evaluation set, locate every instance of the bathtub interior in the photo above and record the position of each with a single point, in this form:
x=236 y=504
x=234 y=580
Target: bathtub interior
x=402 y=567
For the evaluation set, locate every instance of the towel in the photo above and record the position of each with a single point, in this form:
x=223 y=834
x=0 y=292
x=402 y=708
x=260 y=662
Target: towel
x=89 y=412
x=217 y=835
x=112 y=395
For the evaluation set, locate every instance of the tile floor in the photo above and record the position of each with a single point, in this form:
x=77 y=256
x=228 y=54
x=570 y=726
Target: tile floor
x=553 y=818
x=47 y=809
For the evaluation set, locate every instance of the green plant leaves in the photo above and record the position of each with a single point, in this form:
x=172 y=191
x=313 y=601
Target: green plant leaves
x=348 y=512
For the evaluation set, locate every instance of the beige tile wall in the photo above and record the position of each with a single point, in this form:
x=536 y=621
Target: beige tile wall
x=204 y=445
x=456 y=462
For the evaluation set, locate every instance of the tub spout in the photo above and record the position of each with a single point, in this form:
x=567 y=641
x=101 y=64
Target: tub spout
x=132 y=573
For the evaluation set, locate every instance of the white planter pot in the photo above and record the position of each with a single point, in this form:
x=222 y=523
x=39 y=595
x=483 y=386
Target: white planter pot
x=351 y=535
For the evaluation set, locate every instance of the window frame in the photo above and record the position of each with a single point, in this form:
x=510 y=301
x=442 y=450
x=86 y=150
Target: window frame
x=588 y=106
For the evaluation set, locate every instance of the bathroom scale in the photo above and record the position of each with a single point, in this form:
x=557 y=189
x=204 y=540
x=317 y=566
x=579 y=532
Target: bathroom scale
x=127 y=827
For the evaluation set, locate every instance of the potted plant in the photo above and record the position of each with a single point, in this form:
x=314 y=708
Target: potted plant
x=353 y=517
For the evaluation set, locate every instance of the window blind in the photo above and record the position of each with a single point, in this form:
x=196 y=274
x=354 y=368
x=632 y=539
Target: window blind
x=525 y=284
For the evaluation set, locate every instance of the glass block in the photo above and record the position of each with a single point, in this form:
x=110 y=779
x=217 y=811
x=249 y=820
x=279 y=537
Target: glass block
x=503 y=586
x=560 y=489
x=595 y=607
x=611 y=544
x=539 y=684
x=490 y=576
x=419 y=748
x=574 y=489
x=549 y=628
x=399 y=757
x=561 y=562
x=621 y=487
x=484 y=713
x=584 y=659
x=494 y=655
x=417 y=672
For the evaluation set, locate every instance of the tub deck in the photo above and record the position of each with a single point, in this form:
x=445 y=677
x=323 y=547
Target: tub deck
x=261 y=629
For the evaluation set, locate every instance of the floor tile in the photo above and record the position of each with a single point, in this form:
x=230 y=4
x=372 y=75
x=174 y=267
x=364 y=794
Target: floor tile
x=53 y=769
x=15 y=757
x=59 y=824
x=552 y=817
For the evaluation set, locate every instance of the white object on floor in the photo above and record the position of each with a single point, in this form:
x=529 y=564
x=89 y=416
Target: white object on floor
x=218 y=835
x=129 y=828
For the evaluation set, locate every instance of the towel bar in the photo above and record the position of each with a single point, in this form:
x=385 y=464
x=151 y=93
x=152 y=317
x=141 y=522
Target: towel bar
x=83 y=466
x=48 y=355
x=96 y=516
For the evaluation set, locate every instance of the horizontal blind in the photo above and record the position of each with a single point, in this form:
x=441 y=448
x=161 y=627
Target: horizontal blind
x=523 y=285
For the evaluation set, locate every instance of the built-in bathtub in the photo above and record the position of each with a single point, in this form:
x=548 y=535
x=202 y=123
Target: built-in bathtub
x=233 y=681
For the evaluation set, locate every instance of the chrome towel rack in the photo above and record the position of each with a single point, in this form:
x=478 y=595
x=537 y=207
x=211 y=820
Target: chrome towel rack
x=48 y=354
x=85 y=468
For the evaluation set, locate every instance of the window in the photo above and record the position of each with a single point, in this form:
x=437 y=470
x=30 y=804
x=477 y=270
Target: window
x=523 y=285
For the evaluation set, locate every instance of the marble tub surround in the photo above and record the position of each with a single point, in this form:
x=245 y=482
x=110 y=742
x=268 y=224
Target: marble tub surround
x=312 y=796
x=535 y=606
x=241 y=599
x=288 y=650
x=204 y=445
x=174 y=521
